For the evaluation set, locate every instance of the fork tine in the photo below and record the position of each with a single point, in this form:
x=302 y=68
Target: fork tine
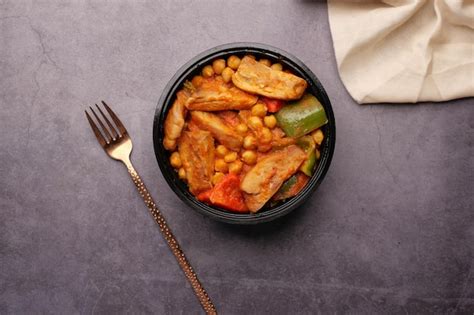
x=116 y=120
x=111 y=127
x=97 y=133
x=107 y=133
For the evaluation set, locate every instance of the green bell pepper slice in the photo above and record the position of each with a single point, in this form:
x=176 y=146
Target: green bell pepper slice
x=291 y=187
x=302 y=116
x=309 y=147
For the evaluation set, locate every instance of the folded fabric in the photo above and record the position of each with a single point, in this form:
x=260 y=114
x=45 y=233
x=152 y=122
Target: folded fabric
x=404 y=51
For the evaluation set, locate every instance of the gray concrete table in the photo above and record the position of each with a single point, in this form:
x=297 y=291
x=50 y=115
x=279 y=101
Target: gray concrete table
x=390 y=229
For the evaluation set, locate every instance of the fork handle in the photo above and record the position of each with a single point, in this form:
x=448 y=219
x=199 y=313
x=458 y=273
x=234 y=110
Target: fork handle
x=201 y=294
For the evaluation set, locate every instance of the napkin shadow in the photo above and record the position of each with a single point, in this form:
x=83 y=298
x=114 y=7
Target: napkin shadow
x=318 y=2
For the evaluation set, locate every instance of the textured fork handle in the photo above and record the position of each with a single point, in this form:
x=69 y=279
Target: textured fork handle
x=172 y=242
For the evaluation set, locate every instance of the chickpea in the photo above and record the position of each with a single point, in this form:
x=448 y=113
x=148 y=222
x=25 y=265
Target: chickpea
x=221 y=150
x=266 y=135
x=197 y=81
x=277 y=66
x=235 y=167
x=207 y=71
x=250 y=142
x=255 y=122
x=217 y=177
x=230 y=157
x=218 y=65
x=227 y=74
x=265 y=62
x=233 y=62
x=259 y=110
x=242 y=128
x=182 y=173
x=249 y=157
x=251 y=56
x=264 y=147
x=270 y=121
x=221 y=166
x=318 y=136
x=169 y=144
x=175 y=160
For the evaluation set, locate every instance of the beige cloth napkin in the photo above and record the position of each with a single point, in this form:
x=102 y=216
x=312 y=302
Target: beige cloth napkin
x=400 y=51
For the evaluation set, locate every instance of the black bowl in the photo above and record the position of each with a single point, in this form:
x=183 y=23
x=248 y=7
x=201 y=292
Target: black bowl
x=194 y=67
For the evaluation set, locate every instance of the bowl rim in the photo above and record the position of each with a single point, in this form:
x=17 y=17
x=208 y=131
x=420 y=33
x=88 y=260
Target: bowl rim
x=192 y=66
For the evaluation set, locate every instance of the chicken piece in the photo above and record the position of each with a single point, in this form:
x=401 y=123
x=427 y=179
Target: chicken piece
x=244 y=115
x=230 y=117
x=254 y=77
x=191 y=126
x=280 y=140
x=279 y=143
x=266 y=177
x=196 y=149
x=278 y=132
x=174 y=121
x=217 y=127
x=214 y=94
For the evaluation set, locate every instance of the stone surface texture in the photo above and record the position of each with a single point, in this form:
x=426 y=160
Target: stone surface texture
x=390 y=229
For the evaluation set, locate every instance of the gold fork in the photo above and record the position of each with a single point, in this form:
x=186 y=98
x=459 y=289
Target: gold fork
x=118 y=145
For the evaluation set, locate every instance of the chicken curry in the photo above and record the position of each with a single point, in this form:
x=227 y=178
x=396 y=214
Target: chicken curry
x=244 y=133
